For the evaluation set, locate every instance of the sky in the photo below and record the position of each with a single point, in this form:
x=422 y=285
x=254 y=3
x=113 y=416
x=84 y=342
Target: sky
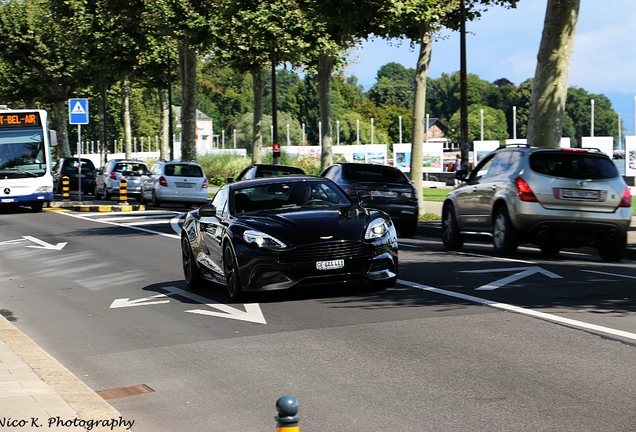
x=504 y=44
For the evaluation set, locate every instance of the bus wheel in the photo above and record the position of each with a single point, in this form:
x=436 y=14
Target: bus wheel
x=37 y=207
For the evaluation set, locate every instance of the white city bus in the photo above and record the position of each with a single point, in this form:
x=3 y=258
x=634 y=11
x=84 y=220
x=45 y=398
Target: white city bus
x=25 y=158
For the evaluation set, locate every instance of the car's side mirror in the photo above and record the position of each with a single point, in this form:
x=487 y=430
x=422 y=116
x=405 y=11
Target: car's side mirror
x=364 y=196
x=207 y=210
x=230 y=180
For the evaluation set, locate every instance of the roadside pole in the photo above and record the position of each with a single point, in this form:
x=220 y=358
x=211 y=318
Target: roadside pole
x=78 y=115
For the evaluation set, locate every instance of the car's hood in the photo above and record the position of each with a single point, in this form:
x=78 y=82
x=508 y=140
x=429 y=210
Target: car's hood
x=312 y=225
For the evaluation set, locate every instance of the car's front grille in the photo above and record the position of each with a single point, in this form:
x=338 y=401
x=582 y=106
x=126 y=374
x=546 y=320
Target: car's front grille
x=328 y=251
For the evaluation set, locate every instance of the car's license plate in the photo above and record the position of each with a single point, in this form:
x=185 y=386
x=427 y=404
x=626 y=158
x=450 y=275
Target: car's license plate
x=330 y=265
x=384 y=194
x=8 y=200
x=184 y=185
x=580 y=194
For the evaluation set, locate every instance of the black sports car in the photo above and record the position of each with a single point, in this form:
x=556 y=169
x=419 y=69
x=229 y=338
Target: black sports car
x=277 y=233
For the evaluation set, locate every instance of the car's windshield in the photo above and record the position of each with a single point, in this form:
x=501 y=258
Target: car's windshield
x=288 y=195
x=22 y=153
x=574 y=165
x=374 y=173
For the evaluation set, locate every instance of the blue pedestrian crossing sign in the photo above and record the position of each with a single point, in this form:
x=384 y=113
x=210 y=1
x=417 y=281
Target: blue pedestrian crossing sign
x=78 y=111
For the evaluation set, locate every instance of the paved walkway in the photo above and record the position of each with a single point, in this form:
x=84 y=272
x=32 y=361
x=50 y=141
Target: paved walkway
x=38 y=393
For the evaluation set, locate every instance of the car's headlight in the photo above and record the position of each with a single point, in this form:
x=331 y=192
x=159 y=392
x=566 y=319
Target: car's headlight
x=263 y=240
x=376 y=229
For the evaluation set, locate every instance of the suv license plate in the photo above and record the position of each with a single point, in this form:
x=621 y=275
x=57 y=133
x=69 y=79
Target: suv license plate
x=330 y=265
x=580 y=194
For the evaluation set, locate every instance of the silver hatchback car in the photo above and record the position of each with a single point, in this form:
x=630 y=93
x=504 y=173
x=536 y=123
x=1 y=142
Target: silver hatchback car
x=553 y=198
x=110 y=176
x=176 y=182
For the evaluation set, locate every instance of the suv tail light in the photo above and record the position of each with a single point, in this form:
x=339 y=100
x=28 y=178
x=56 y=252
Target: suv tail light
x=113 y=175
x=525 y=192
x=205 y=183
x=626 y=198
x=163 y=182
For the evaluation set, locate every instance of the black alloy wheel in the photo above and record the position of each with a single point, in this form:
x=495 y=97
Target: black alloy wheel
x=230 y=268
x=190 y=269
x=451 y=237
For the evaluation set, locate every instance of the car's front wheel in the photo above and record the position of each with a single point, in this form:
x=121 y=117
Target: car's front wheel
x=505 y=237
x=614 y=250
x=451 y=237
x=230 y=268
x=190 y=269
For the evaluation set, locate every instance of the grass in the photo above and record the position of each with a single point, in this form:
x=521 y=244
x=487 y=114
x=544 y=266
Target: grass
x=435 y=194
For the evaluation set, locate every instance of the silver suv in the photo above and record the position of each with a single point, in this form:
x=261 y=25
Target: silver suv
x=553 y=198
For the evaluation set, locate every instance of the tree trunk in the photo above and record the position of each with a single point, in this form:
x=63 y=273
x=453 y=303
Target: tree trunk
x=257 y=123
x=325 y=69
x=188 y=70
x=125 y=108
x=164 y=149
x=103 y=126
x=63 y=148
x=550 y=86
x=421 y=74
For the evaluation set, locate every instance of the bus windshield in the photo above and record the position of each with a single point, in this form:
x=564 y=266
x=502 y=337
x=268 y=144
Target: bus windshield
x=22 y=153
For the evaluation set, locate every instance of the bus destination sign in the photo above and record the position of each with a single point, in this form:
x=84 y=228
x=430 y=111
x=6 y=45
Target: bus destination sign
x=12 y=119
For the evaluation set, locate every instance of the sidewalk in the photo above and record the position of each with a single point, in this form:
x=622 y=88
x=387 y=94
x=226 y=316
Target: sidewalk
x=36 y=391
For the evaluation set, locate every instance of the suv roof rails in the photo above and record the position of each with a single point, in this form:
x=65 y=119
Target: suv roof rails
x=517 y=145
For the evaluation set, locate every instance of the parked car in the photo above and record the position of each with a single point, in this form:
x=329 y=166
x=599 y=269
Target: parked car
x=111 y=174
x=73 y=168
x=173 y=181
x=553 y=198
x=277 y=233
x=267 y=170
x=391 y=190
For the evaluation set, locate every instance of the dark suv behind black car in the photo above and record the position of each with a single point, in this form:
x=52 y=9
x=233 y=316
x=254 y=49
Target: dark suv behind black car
x=391 y=191
x=71 y=168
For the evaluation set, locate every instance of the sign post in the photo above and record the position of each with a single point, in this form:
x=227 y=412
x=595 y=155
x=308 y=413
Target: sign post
x=78 y=114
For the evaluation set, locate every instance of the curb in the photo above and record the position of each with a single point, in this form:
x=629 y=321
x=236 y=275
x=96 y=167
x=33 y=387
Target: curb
x=108 y=208
x=88 y=405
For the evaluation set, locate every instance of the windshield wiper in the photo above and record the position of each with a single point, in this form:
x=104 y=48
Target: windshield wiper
x=20 y=171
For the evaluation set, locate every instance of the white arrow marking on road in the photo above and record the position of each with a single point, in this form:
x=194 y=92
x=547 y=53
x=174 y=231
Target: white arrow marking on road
x=252 y=311
x=523 y=272
x=10 y=242
x=43 y=244
x=126 y=302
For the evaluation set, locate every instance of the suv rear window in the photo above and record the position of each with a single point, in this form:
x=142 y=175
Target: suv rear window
x=374 y=174
x=128 y=168
x=183 y=170
x=574 y=165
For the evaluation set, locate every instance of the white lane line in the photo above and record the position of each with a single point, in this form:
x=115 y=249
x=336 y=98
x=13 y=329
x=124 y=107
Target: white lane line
x=520 y=310
x=610 y=274
x=107 y=222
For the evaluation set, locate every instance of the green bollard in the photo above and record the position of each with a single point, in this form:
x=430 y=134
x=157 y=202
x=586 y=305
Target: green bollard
x=287 y=420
